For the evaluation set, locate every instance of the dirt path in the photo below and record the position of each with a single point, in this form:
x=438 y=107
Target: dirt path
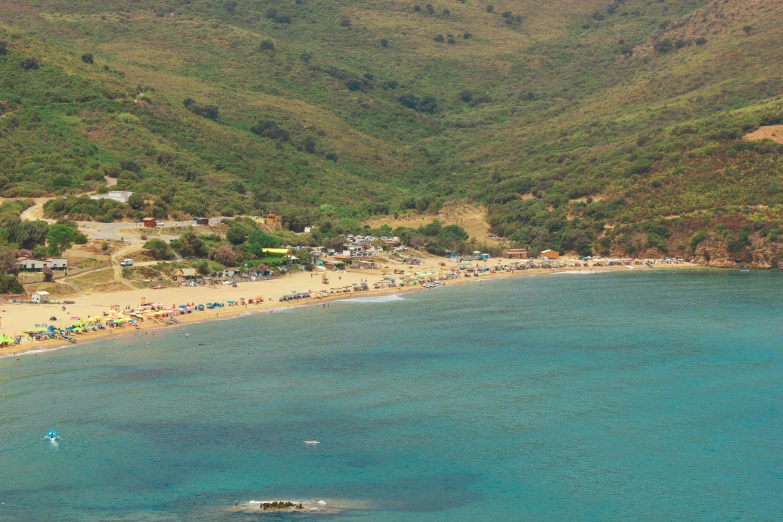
x=118 y=256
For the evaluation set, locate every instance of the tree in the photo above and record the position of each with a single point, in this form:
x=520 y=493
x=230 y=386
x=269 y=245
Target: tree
x=29 y=234
x=202 y=267
x=88 y=58
x=136 y=201
x=225 y=255
x=626 y=50
x=189 y=245
x=59 y=238
x=384 y=42
x=267 y=45
x=747 y=29
x=47 y=273
x=236 y=235
x=432 y=229
x=490 y=8
x=158 y=249
x=453 y=233
x=7 y=261
x=263 y=239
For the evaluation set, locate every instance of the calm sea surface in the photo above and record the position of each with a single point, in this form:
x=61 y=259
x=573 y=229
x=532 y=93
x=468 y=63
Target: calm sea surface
x=638 y=395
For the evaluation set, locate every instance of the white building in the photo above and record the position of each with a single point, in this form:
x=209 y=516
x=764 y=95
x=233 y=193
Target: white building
x=40 y=297
x=120 y=196
x=36 y=265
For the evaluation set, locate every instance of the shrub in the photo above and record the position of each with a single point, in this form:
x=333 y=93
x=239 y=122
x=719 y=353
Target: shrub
x=451 y=40
x=28 y=64
x=130 y=165
x=3 y=47
x=268 y=45
x=747 y=29
x=467 y=36
x=700 y=41
x=9 y=284
x=269 y=129
x=663 y=46
x=384 y=42
x=697 y=238
x=225 y=255
x=429 y=8
x=439 y=38
x=345 y=22
x=490 y=8
x=88 y=58
x=158 y=249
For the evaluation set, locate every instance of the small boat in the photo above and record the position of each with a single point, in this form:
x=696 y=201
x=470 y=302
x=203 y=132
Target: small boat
x=313 y=442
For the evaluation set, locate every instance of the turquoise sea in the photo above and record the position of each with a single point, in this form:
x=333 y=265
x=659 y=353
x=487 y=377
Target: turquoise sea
x=607 y=396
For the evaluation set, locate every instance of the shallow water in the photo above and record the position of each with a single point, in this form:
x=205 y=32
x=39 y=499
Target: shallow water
x=631 y=395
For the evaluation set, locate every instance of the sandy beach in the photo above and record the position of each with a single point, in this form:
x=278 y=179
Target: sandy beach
x=17 y=318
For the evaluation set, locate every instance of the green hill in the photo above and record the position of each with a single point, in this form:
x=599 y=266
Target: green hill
x=611 y=127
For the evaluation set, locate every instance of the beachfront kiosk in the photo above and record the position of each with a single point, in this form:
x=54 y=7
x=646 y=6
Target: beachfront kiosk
x=40 y=297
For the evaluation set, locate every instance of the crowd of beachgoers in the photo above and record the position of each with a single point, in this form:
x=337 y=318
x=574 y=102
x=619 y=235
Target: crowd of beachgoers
x=90 y=315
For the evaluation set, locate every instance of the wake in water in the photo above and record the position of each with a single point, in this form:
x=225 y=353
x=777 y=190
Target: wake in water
x=380 y=299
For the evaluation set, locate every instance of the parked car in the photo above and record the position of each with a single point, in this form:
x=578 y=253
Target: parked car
x=160 y=224
x=126 y=262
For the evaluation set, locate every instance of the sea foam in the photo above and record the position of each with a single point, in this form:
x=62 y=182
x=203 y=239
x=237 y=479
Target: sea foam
x=379 y=299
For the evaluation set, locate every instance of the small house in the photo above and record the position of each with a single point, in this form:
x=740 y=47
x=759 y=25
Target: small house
x=515 y=253
x=550 y=254
x=40 y=297
x=201 y=221
x=149 y=222
x=185 y=274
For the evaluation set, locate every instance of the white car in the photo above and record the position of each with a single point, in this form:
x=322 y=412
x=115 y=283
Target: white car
x=160 y=224
x=126 y=262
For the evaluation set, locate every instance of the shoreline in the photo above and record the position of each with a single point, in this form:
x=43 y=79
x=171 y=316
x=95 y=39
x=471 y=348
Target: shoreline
x=269 y=307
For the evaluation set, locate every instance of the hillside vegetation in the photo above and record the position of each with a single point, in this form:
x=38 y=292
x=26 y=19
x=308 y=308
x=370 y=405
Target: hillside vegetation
x=594 y=126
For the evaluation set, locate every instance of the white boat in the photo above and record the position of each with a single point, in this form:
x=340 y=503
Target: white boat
x=311 y=441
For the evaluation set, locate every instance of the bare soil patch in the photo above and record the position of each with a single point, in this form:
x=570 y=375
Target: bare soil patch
x=472 y=218
x=770 y=132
